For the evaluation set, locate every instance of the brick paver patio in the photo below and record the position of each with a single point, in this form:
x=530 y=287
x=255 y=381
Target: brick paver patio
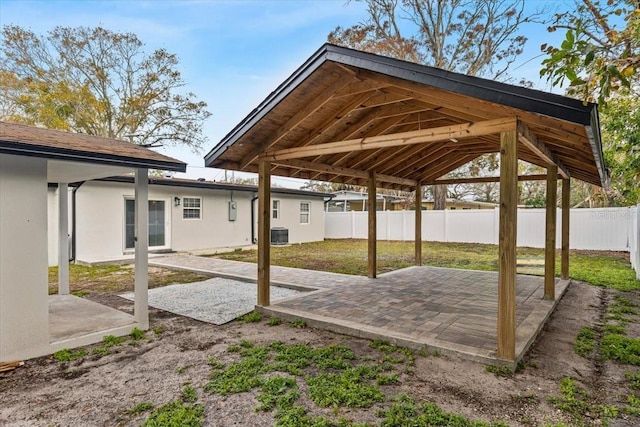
x=440 y=309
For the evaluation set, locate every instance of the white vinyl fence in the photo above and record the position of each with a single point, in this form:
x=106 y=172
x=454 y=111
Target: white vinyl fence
x=612 y=229
x=634 y=241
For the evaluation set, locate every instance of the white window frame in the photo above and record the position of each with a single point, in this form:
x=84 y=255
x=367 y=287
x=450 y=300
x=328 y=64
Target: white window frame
x=275 y=209
x=307 y=213
x=194 y=209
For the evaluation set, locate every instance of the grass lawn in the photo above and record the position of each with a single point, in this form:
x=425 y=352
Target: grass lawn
x=609 y=269
x=84 y=279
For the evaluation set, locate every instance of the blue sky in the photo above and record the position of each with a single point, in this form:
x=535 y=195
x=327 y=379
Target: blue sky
x=232 y=53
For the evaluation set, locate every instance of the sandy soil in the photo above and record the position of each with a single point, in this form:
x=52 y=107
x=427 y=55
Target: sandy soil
x=95 y=391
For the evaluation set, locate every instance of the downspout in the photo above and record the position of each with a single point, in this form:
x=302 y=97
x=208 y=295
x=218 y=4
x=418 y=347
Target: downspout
x=254 y=240
x=73 y=221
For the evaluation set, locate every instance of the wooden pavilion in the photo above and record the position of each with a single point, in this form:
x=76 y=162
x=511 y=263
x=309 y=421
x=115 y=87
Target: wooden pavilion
x=354 y=117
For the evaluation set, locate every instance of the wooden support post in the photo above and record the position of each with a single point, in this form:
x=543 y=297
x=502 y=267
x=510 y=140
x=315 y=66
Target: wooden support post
x=63 y=239
x=550 y=234
x=141 y=233
x=418 y=232
x=264 y=233
x=372 y=214
x=507 y=245
x=564 y=254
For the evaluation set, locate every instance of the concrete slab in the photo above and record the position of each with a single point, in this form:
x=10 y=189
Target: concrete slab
x=72 y=317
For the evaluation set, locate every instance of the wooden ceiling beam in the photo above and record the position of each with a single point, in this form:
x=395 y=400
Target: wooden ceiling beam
x=482 y=179
x=462 y=104
x=298 y=118
x=384 y=98
x=337 y=170
x=336 y=119
x=410 y=156
x=443 y=133
x=428 y=156
x=360 y=86
x=353 y=130
x=531 y=141
x=378 y=129
x=445 y=167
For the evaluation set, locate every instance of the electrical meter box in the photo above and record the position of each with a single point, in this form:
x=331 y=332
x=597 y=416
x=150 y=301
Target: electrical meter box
x=233 y=210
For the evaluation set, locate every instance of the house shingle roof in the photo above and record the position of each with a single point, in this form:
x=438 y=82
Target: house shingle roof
x=54 y=144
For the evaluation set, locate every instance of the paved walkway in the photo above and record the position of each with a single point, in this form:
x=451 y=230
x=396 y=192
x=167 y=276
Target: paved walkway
x=283 y=276
x=448 y=310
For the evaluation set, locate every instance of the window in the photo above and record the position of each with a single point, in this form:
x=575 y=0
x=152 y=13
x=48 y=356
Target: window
x=305 y=210
x=191 y=207
x=275 y=204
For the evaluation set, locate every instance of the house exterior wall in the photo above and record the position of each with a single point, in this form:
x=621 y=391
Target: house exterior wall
x=100 y=211
x=24 y=329
x=290 y=217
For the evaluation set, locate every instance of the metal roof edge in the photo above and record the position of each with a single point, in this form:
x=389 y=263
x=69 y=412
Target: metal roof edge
x=273 y=99
x=213 y=186
x=10 y=147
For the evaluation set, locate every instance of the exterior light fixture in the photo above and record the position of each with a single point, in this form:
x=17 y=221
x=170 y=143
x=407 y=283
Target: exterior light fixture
x=176 y=201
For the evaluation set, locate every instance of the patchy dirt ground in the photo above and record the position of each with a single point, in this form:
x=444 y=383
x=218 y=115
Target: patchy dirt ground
x=101 y=391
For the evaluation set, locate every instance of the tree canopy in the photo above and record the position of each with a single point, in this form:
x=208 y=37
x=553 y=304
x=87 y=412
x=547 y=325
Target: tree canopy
x=98 y=82
x=474 y=37
x=601 y=50
x=600 y=59
x=478 y=38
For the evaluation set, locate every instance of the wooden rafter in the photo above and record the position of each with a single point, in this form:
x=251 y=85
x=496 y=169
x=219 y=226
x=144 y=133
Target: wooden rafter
x=298 y=118
x=337 y=170
x=481 y=179
x=531 y=141
x=443 y=133
x=378 y=129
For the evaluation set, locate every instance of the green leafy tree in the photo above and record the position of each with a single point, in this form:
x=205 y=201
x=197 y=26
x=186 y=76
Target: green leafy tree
x=98 y=82
x=478 y=38
x=620 y=122
x=600 y=59
x=601 y=50
x=474 y=37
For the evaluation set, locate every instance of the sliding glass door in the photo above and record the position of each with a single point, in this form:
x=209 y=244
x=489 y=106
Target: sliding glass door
x=157 y=228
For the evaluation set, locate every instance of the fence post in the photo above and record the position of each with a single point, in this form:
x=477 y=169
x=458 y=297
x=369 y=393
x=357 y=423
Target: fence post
x=446 y=225
x=386 y=213
x=353 y=224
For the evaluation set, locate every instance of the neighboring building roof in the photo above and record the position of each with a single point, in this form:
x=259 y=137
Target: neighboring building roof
x=25 y=140
x=189 y=183
x=341 y=94
x=461 y=201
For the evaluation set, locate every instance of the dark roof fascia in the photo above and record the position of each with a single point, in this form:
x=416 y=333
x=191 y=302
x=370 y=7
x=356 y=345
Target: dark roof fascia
x=549 y=104
x=214 y=186
x=10 y=147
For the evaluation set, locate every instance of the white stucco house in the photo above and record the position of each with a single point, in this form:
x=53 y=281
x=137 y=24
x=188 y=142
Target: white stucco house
x=184 y=215
x=33 y=323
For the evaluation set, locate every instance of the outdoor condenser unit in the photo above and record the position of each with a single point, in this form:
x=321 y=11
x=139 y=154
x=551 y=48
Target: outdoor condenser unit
x=279 y=236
